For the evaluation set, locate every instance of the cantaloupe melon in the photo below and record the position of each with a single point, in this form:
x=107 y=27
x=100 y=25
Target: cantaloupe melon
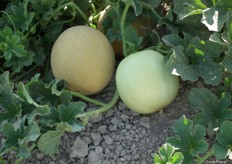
x=84 y=58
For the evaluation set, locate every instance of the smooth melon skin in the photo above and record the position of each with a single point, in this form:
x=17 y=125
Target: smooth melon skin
x=144 y=83
x=84 y=58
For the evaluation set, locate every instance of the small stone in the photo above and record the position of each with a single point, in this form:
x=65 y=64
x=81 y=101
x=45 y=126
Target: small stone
x=79 y=149
x=96 y=137
x=133 y=147
x=63 y=161
x=99 y=150
x=134 y=113
x=80 y=161
x=121 y=106
x=144 y=162
x=124 y=117
x=128 y=126
x=3 y=140
x=123 y=153
x=114 y=121
x=113 y=128
x=52 y=162
x=86 y=139
x=39 y=156
x=145 y=122
x=95 y=119
x=136 y=156
x=108 y=140
x=109 y=113
x=121 y=125
x=93 y=158
x=102 y=129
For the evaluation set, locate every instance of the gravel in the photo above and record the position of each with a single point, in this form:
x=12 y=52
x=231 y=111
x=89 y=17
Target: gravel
x=118 y=136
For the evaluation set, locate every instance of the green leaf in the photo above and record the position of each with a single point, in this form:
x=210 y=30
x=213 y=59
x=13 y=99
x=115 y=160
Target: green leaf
x=48 y=94
x=138 y=7
x=214 y=111
x=19 y=136
x=167 y=155
x=23 y=93
x=67 y=114
x=153 y=3
x=14 y=52
x=179 y=64
x=48 y=142
x=50 y=120
x=195 y=58
x=132 y=39
x=9 y=102
x=223 y=147
x=11 y=43
x=11 y=134
x=20 y=16
x=229 y=24
x=187 y=8
x=225 y=3
x=227 y=61
x=214 y=18
x=23 y=151
x=175 y=40
x=188 y=139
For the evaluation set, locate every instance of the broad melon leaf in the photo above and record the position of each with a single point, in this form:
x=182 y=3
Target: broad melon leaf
x=48 y=94
x=68 y=114
x=153 y=3
x=167 y=154
x=188 y=11
x=179 y=64
x=48 y=142
x=223 y=148
x=188 y=139
x=227 y=61
x=214 y=111
x=214 y=18
x=187 y=8
x=175 y=40
x=19 y=136
x=9 y=102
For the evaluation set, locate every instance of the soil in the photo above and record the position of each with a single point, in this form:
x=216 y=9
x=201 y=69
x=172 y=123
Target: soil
x=118 y=136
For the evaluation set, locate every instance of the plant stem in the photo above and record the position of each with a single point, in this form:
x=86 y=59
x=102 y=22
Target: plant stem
x=102 y=109
x=65 y=5
x=76 y=94
x=8 y=16
x=122 y=28
x=24 y=74
x=201 y=160
x=152 y=10
x=159 y=49
x=93 y=8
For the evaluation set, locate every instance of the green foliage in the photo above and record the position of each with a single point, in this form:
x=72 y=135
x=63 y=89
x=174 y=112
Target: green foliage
x=222 y=147
x=189 y=139
x=37 y=111
x=36 y=106
x=167 y=154
x=200 y=52
x=214 y=111
x=29 y=29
